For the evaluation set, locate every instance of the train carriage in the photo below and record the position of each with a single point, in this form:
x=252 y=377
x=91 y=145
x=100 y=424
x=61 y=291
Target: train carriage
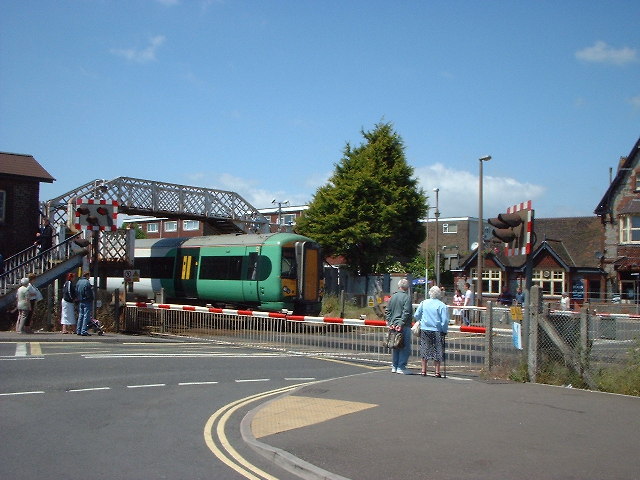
x=273 y=272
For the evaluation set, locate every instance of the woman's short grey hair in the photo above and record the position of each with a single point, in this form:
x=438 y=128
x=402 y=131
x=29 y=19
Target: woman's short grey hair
x=403 y=283
x=435 y=292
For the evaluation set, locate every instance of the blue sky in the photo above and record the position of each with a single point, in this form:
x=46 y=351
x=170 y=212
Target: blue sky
x=261 y=97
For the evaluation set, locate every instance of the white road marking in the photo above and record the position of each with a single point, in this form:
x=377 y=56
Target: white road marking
x=182 y=355
x=88 y=389
x=20 y=393
x=21 y=349
x=148 y=386
x=197 y=383
x=252 y=380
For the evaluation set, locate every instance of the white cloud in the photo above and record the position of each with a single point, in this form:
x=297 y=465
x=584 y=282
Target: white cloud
x=600 y=52
x=458 y=195
x=143 y=55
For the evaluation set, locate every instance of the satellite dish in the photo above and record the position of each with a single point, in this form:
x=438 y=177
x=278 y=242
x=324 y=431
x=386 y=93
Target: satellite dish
x=474 y=245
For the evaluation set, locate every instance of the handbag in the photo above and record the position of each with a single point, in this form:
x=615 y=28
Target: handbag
x=415 y=329
x=394 y=339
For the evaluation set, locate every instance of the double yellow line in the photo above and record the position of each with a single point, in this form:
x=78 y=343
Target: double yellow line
x=225 y=451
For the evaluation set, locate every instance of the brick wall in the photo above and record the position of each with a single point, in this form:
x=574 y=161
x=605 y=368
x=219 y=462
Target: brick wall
x=22 y=216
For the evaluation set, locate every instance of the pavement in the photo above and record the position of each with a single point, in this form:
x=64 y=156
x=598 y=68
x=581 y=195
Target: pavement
x=383 y=425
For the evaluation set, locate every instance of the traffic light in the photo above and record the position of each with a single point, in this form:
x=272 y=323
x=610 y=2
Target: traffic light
x=514 y=228
x=508 y=226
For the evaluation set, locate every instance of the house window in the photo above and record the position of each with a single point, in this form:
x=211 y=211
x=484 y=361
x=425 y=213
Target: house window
x=637 y=185
x=629 y=229
x=188 y=225
x=152 y=228
x=171 y=226
x=3 y=199
x=288 y=219
x=551 y=281
x=491 y=280
x=449 y=228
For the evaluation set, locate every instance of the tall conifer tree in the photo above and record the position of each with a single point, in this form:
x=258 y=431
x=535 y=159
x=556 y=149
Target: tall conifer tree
x=370 y=209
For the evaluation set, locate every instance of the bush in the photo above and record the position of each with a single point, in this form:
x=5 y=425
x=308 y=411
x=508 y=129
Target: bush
x=625 y=379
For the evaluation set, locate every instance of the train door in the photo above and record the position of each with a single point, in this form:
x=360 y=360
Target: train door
x=250 y=290
x=186 y=272
x=309 y=271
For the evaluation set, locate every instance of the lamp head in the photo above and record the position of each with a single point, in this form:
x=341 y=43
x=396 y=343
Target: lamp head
x=486 y=158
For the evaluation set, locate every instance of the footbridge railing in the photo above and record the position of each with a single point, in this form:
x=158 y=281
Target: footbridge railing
x=226 y=211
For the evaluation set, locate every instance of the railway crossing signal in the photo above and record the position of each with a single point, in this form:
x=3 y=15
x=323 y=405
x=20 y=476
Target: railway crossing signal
x=515 y=228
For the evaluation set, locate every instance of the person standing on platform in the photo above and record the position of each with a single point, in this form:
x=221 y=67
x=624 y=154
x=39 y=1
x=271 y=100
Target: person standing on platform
x=398 y=316
x=84 y=295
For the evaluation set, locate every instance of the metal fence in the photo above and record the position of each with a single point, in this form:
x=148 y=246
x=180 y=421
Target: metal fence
x=349 y=339
x=499 y=341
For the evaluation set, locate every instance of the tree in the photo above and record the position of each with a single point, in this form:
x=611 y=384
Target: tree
x=370 y=209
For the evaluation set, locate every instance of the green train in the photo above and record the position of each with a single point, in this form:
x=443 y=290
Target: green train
x=271 y=272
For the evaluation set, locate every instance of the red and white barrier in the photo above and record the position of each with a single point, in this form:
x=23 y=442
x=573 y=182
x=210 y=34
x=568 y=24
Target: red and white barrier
x=256 y=313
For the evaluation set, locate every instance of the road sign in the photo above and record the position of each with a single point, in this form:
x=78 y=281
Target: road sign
x=131 y=276
x=93 y=214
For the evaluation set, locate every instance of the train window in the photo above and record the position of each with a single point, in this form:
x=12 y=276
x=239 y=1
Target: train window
x=252 y=266
x=154 y=267
x=221 y=268
x=288 y=263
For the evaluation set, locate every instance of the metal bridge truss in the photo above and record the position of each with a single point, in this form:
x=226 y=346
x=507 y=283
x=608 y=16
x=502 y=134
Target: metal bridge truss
x=226 y=211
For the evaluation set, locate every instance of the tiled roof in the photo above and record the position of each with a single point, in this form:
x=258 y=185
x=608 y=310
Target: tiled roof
x=623 y=173
x=19 y=165
x=575 y=240
x=580 y=238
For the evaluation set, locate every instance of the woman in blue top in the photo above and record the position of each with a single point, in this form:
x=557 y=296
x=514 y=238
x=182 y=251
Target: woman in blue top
x=433 y=316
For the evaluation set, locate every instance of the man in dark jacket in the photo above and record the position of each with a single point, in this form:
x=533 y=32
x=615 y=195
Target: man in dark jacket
x=84 y=294
x=44 y=237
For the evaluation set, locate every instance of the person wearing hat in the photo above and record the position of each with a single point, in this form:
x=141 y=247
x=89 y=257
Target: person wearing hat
x=24 y=305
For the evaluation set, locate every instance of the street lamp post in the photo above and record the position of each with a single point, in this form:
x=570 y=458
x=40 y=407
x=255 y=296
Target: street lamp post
x=437 y=248
x=286 y=202
x=486 y=158
x=426 y=253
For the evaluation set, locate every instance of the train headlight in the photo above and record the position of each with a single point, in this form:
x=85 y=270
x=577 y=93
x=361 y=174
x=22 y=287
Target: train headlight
x=286 y=290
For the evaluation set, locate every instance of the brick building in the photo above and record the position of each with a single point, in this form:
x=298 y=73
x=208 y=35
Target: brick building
x=619 y=213
x=20 y=177
x=563 y=260
x=282 y=220
x=154 y=227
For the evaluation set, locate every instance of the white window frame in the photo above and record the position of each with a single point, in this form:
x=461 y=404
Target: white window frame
x=190 y=225
x=491 y=278
x=550 y=281
x=287 y=219
x=152 y=228
x=449 y=228
x=628 y=231
x=171 y=226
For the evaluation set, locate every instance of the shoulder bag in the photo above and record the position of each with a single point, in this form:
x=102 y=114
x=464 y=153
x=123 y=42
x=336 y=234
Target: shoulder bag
x=394 y=339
